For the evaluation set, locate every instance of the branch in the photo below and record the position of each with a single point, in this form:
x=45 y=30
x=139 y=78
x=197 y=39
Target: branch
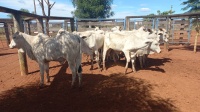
x=40 y=3
x=52 y=5
x=47 y=2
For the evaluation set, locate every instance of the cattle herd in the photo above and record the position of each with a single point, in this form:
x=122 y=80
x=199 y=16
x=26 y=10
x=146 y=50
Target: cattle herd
x=97 y=44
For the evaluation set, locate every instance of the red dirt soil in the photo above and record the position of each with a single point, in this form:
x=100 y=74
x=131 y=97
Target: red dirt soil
x=170 y=83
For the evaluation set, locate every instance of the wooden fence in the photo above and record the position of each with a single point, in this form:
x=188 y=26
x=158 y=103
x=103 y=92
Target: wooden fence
x=179 y=26
x=104 y=24
x=18 y=25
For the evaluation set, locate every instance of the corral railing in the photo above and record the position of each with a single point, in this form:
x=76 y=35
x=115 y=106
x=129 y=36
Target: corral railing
x=82 y=24
x=179 y=26
x=21 y=22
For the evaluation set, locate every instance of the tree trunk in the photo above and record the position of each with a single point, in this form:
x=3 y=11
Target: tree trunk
x=34 y=7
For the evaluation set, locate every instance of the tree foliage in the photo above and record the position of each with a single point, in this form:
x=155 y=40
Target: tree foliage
x=165 y=12
x=191 y=5
x=92 y=8
x=159 y=13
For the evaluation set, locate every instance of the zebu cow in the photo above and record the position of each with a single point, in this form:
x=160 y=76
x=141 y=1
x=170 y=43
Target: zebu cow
x=84 y=47
x=127 y=44
x=94 y=40
x=116 y=29
x=159 y=35
x=43 y=49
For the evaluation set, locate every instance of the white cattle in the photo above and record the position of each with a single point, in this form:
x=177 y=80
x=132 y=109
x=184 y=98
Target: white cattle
x=43 y=49
x=128 y=44
x=94 y=40
x=116 y=29
x=84 y=46
x=160 y=35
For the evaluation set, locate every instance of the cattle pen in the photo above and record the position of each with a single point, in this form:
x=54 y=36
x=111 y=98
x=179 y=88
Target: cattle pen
x=169 y=83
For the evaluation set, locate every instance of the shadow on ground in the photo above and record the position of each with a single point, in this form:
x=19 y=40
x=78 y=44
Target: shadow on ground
x=152 y=64
x=114 y=93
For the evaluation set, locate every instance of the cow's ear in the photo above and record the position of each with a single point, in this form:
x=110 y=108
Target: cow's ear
x=149 y=30
x=161 y=29
x=61 y=31
x=83 y=37
x=120 y=28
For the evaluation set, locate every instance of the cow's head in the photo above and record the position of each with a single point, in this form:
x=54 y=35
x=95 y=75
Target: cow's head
x=163 y=34
x=96 y=28
x=116 y=28
x=16 y=40
x=155 y=46
x=61 y=31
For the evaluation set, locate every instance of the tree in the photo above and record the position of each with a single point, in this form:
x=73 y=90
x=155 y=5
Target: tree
x=193 y=6
x=92 y=8
x=159 y=13
x=49 y=6
x=150 y=17
x=166 y=12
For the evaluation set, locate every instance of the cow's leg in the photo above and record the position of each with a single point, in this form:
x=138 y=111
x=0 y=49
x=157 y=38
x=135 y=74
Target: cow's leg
x=133 y=61
x=92 y=61
x=41 y=65
x=141 y=60
x=127 y=55
x=104 y=56
x=73 y=69
x=80 y=75
x=145 y=60
x=46 y=67
x=97 y=58
x=79 y=70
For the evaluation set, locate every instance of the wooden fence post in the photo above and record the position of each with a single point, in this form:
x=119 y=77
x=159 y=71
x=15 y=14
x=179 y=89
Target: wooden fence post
x=18 y=26
x=166 y=44
x=40 y=25
x=65 y=25
x=72 y=24
x=127 y=23
x=7 y=33
x=27 y=27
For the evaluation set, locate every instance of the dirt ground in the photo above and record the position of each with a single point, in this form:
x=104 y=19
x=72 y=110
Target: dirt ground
x=169 y=83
